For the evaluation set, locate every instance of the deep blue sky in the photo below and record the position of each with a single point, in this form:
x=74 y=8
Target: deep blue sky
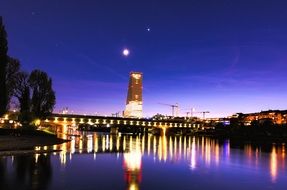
x=223 y=56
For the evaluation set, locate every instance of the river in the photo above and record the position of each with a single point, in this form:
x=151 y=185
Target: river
x=145 y=162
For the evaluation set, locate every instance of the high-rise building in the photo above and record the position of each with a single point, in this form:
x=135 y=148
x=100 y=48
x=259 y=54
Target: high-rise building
x=134 y=98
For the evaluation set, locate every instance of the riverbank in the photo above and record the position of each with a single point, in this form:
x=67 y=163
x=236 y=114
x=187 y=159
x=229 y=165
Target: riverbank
x=15 y=141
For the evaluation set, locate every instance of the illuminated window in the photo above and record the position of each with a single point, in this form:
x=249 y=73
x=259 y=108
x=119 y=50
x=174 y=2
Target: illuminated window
x=136 y=96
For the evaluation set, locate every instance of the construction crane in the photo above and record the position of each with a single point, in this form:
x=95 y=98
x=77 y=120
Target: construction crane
x=174 y=108
x=190 y=112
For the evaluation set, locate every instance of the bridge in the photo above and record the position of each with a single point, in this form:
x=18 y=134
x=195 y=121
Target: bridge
x=117 y=122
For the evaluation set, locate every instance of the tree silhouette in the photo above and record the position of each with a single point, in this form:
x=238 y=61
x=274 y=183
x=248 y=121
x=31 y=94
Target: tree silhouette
x=43 y=96
x=22 y=93
x=12 y=71
x=20 y=84
x=3 y=65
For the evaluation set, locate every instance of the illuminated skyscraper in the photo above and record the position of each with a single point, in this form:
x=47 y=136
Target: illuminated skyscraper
x=134 y=98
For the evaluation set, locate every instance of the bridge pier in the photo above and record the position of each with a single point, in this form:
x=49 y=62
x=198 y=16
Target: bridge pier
x=114 y=130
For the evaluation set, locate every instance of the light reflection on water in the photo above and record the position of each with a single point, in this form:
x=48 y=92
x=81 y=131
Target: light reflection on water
x=192 y=149
x=163 y=148
x=201 y=155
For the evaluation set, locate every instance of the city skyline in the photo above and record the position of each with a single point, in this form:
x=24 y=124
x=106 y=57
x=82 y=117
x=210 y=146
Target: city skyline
x=204 y=55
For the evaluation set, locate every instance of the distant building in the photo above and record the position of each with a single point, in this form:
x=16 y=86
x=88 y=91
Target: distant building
x=276 y=116
x=134 y=98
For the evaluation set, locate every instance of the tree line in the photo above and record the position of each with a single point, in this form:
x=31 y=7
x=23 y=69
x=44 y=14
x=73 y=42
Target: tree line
x=33 y=91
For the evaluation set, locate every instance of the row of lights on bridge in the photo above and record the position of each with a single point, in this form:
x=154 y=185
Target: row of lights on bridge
x=149 y=123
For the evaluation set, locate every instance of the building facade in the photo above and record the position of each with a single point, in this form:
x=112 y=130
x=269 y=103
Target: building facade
x=278 y=117
x=134 y=103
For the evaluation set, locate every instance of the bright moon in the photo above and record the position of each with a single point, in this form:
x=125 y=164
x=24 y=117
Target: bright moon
x=126 y=52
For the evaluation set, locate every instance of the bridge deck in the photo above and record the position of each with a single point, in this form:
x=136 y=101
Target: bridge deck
x=117 y=121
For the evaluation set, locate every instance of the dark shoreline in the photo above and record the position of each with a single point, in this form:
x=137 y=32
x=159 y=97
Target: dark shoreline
x=14 y=141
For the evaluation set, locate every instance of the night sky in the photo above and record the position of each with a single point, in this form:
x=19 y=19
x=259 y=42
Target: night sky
x=222 y=56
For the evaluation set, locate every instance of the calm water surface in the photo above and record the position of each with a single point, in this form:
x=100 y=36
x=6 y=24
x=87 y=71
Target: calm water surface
x=107 y=162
